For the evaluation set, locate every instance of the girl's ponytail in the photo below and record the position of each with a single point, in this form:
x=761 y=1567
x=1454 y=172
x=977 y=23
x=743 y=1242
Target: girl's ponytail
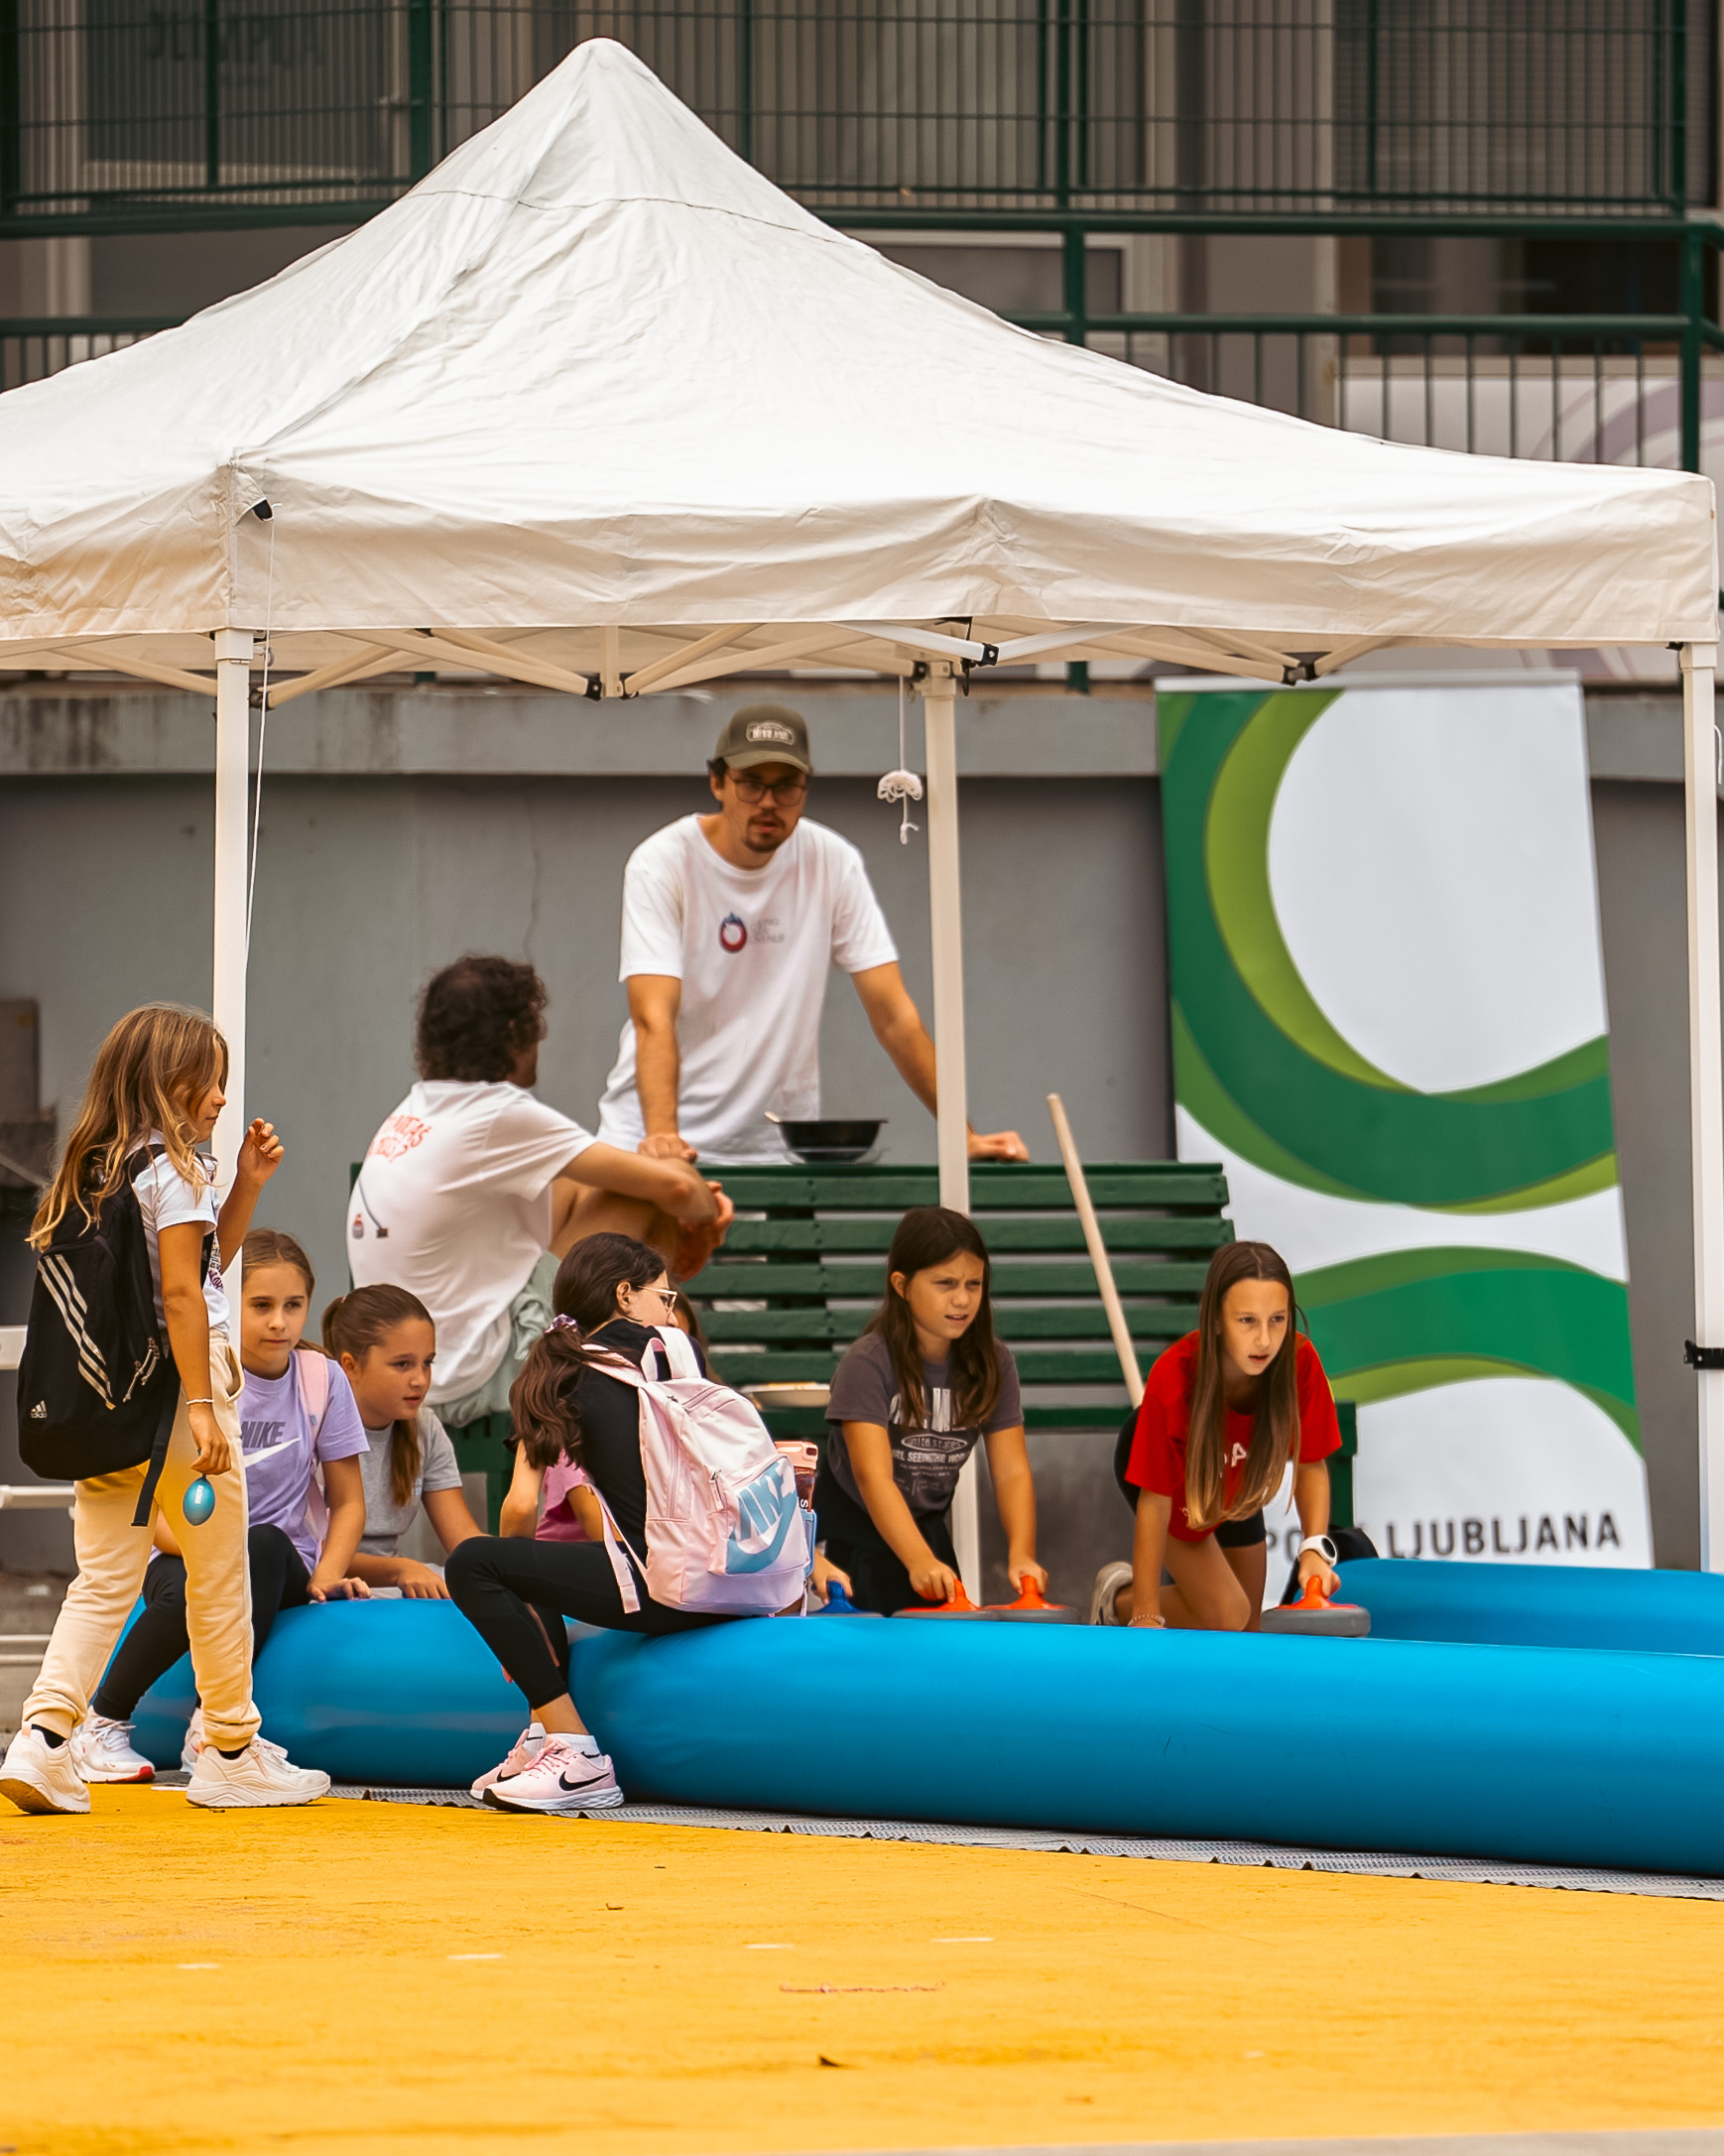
x=540 y=1400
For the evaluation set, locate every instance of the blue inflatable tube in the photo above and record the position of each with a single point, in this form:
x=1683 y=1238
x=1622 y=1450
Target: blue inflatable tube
x=401 y=1693
x=1539 y=1605
x=1609 y=1758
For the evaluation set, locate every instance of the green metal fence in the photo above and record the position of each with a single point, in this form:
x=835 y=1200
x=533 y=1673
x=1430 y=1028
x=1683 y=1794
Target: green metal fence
x=1639 y=389
x=156 y=114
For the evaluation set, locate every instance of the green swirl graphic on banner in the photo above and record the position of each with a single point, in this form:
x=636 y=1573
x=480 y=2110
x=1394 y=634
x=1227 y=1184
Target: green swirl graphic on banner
x=1263 y=1068
x=1413 y=1318
x=1259 y=1064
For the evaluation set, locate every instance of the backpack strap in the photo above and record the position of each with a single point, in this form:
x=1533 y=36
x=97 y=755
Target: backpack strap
x=679 y=1351
x=311 y=1380
x=157 y=1452
x=311 y=1376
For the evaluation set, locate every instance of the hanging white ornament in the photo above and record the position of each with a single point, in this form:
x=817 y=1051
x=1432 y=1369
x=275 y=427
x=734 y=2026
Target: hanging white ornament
x=902 y=784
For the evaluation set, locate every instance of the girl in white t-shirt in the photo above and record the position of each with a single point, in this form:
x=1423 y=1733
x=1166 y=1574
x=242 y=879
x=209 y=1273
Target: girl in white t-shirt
x=156 y=1089
x=385 y=1342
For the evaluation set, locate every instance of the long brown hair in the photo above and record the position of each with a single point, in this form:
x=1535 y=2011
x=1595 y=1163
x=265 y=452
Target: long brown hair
x=153 y=1066
x=353 y=1325
x=544 y=1401
x=1275 y=1432
x=927 y=1236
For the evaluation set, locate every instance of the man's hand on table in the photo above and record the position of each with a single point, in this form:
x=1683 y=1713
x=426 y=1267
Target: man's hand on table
x=997 y=1145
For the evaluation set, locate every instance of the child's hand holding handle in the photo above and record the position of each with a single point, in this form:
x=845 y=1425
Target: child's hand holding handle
x=215 y=1454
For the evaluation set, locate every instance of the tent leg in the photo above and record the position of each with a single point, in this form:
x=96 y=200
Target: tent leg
x=939 y=711
x=232 y=763
x=1706 y=1078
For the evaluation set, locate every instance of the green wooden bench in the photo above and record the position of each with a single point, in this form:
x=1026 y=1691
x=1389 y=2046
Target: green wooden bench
x=803 y=1267
x=808 y=1253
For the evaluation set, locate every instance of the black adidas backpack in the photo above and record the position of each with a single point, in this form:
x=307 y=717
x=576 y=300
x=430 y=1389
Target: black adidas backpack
x=96 y=1389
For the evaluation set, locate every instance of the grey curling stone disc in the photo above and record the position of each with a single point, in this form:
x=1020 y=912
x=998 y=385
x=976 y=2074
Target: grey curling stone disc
x=1342 y=1621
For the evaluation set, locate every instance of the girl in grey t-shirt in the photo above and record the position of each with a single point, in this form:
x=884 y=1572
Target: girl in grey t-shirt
x=909 y=1403
x=386 y=1343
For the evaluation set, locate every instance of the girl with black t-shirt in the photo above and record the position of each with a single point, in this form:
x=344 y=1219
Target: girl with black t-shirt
x=611 y=1298
x=907 y=1405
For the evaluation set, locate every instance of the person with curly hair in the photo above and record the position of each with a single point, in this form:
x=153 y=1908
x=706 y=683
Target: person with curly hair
x=473 y=1189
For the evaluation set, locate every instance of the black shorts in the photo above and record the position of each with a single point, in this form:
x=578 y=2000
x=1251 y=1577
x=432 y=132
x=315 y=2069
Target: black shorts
x=1241 y=1534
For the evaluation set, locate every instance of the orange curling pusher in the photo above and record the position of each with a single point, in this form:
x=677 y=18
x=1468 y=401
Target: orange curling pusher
x=959 y=1606
x=1315 y=1616
x=1031 y=1609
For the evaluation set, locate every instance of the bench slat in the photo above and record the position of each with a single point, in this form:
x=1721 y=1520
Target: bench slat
x=1047 y=1232
x=1012 y=1276
x=1070 y=1322
x=1035 y=1365
x=993 y=1186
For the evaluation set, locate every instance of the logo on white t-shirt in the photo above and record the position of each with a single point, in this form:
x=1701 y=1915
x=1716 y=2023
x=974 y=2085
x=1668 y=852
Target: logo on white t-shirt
x=732 y=932
x=397 y=1136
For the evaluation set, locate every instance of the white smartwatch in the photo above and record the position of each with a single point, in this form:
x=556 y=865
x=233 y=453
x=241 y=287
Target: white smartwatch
x=1324 y=1548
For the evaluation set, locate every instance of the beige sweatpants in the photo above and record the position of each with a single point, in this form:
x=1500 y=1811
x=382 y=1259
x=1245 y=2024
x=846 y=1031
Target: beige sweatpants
x=111 y=1556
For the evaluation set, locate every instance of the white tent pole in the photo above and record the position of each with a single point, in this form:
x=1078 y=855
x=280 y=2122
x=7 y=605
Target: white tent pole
x=945 y=911
x=946 y=914
x=1706 y=1078
x=233 y=761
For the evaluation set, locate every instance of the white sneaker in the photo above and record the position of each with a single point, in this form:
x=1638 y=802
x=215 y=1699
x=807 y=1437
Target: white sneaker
x=1108 y=1583
x=40 y=1777
x=262 y=1774
x=193 y=1748
x=101 y=1751
x=560 y=1779
x=522 y=1753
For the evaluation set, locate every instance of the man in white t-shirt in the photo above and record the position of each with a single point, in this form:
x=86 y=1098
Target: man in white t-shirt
x=731 y=922
x=473 y=1190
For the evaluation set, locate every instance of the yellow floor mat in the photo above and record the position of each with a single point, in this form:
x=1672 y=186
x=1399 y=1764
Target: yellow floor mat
x=356 y=1976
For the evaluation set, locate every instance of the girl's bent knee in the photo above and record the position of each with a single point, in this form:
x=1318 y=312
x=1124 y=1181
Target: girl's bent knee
x=467 y=1564
x=267 y=1540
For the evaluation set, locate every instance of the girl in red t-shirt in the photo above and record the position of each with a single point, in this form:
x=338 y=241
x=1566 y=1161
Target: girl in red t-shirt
x=1223 y=1412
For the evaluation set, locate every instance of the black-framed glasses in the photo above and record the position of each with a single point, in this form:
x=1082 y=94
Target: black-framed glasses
x=785 y=791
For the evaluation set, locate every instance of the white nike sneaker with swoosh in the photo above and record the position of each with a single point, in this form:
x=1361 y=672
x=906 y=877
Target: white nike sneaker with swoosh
x=561 y=1779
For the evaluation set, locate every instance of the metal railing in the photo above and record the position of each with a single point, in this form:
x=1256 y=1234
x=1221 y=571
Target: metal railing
x=1619 y=389
x=156 y=114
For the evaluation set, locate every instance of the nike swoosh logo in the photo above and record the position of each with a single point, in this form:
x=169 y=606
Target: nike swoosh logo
x=572 y=1787
x=737 y=1562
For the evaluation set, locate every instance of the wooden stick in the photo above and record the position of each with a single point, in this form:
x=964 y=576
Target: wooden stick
x=1116 y=1316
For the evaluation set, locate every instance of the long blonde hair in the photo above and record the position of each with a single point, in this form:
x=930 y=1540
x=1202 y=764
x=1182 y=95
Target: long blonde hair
x=153 y=1066
x=1275 y=1432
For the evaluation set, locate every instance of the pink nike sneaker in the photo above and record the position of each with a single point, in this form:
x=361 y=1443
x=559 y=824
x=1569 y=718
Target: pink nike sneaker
x=561 y=1779
x=520 y=1756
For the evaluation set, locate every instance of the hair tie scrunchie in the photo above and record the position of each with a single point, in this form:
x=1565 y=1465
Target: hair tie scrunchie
x=563 y=1323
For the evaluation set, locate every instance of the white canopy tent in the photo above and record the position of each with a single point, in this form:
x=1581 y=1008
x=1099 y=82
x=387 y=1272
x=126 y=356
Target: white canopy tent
x=597 y=408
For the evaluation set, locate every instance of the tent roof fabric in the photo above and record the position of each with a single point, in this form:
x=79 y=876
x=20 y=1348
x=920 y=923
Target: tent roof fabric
x=596 y=373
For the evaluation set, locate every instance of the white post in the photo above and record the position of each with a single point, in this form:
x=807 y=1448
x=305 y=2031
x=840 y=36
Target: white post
x=946 y=915
x=1706 y=1078
x=232 y=766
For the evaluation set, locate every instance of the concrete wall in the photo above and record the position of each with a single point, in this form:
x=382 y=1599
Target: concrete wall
x=401 y=830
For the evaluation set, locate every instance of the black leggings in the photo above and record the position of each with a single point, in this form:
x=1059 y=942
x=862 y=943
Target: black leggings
x=278 y=1580
x=515 y=1593
x=878 y=1580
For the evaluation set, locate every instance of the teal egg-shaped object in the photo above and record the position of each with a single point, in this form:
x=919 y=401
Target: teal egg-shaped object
x=200 y=1502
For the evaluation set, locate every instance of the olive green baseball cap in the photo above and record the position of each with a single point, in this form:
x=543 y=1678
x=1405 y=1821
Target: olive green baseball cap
x=763 y=733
